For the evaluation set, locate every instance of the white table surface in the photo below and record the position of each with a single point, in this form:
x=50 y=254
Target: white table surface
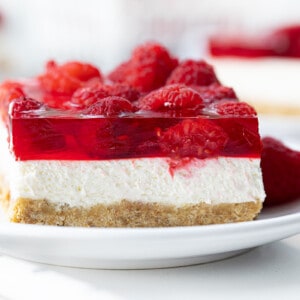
x=268 y=272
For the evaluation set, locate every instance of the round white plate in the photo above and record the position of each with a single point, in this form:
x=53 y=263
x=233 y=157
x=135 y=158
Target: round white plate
x=128 y=248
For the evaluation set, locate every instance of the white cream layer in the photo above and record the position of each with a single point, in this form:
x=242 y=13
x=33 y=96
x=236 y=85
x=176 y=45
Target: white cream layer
x=86 y=183
x=266 y=80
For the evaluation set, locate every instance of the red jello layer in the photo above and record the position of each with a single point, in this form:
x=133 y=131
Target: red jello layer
x=114 y=138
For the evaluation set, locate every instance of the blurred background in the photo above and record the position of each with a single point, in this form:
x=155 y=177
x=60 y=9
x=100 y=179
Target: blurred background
x=104 y=32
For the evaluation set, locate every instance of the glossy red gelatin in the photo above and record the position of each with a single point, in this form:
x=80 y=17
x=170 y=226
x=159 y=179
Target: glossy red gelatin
x=113 y=138
x=72 y=112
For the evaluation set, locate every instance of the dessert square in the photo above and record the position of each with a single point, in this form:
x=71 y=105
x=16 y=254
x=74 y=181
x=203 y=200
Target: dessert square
x=157 y=142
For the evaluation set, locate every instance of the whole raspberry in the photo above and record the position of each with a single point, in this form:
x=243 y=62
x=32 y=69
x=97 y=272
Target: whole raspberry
x=233 y=108
x=67 y=78
x=215 y=92
x=86 y=96
x=81 y=71
x=281 y=171
x=171 y=97
x=199 y=138
x=23 y=106
x=148 y=68
x=56 y=81
x=110 y=106
x=192 y=72
x=10 y=90
x=91 y=93
x=116 y=89
x=123 y=90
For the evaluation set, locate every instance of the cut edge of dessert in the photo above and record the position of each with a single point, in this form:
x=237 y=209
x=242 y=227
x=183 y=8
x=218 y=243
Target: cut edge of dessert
x=156 y=142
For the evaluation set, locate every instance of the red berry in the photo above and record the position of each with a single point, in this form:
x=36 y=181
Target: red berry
x=215 y=92
x=57 y=81
x=191 y=72
x=110 y=106
x=10 y=90
x=199 y=138
x=281 y=171
x=67 y=78
x=122 y=90
x=234 y=108
x=95 y=91
x=93 y=83
x=81 y=71
x=171 y=97
x=117 y=89
x=24 y=105
x=86 y=96
x=148 y=68
x=120 y=72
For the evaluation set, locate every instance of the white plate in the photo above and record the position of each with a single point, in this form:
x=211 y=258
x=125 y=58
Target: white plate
x=127 y=248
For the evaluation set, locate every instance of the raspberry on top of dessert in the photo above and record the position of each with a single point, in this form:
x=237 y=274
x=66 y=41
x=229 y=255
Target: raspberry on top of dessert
x=157 y=142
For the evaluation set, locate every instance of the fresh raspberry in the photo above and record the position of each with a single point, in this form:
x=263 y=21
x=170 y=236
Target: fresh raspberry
x=120 y=72
x=23 y=105
x=191 y=72
x=81 y=71
x=148 y=68
x=171 y=97
x=67 y=78
x=57 y=81
x=87 y=96
x=281 y=171
x=122 y=90
x=215 y=92
x=234 y=108
x=116 y=89
x=199 y=138
x=94 y=91
x=110 y=106
x=10 y=90
x=93 y=83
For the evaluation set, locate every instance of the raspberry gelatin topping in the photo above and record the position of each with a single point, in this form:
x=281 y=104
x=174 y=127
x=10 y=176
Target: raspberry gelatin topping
x=281 y=42
x=150 y=106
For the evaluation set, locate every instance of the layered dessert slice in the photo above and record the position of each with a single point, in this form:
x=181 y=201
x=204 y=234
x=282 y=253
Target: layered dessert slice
x=155 y=143
x=256 y=63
